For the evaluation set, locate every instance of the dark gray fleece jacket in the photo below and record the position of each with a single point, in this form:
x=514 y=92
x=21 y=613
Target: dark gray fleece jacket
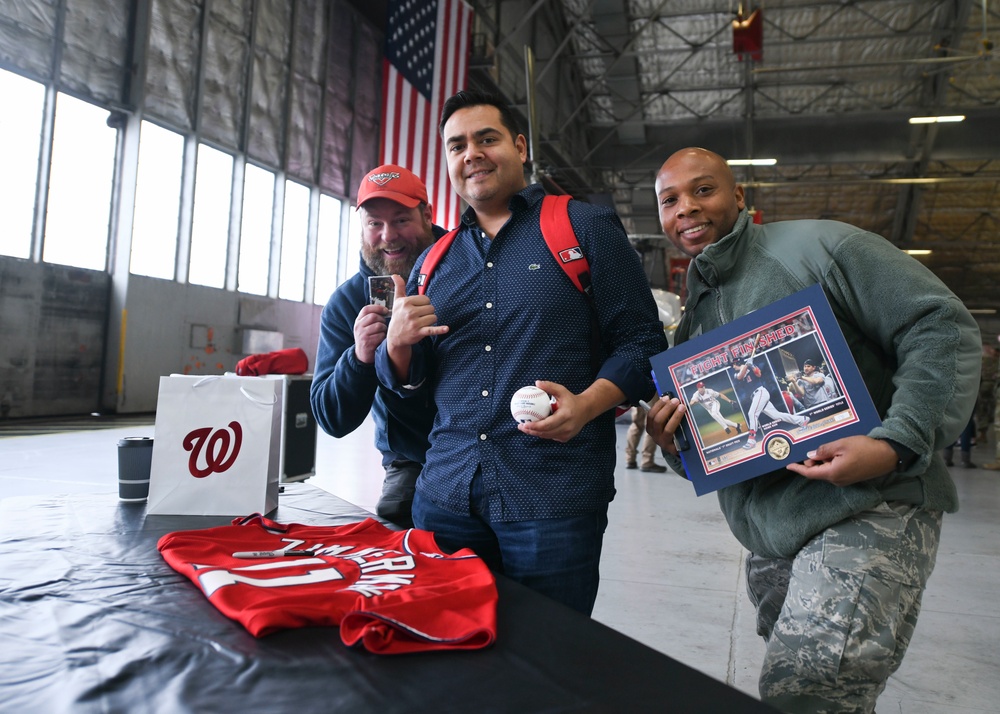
x=918 y=350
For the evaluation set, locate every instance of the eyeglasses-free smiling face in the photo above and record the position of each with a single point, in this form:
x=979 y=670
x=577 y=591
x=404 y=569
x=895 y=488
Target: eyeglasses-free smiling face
x=485 y=163
x=698 y=199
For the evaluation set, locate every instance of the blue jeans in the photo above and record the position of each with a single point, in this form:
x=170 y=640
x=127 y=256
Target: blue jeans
x=397 y=491
x=558 y=557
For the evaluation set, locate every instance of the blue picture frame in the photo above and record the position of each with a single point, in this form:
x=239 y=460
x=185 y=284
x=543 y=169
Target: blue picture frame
x=784 y=342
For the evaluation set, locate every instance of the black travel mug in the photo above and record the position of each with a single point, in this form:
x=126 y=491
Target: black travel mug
x=135 y=454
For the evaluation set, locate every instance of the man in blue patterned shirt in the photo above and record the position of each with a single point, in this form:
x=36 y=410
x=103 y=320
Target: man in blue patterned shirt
x=500 y=314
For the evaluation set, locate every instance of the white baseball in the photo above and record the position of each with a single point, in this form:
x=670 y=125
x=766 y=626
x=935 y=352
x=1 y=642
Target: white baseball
x=530 y=404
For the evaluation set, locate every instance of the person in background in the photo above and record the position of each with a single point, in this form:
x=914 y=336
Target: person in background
x=499 y=314
x=840 y=545
x=396 y=227
x=964 y=444
x=995 y=464
x=637 y=431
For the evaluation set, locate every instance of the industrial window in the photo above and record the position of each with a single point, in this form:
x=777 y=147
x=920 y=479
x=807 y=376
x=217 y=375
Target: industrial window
x=255 y=233
x=327 y=249
x=213 y=189
x=81 y=176
x=64 y=180
x=157 y=202
x=294 y=238
x=20 y=142
x=353 y=243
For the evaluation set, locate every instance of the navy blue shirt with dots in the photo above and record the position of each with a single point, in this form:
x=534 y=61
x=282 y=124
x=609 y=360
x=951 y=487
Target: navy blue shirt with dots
x=514 y=316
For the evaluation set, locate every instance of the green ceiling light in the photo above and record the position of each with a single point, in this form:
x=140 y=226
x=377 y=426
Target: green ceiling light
x=947 y=119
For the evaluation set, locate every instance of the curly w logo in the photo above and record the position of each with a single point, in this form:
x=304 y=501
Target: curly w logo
x=216 y=446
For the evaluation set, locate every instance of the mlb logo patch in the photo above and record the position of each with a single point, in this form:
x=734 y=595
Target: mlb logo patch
x=571 y=254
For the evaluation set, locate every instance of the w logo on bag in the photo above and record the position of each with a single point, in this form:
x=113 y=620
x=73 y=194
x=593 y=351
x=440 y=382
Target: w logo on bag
x=218 y=456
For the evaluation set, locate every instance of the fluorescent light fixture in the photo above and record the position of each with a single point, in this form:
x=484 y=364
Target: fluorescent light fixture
x=938 y=120
x=918 y=181
x=917 y=251
x=752 y=162
x=982 y=311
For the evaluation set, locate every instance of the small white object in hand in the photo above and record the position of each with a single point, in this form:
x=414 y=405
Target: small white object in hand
x=530 y=404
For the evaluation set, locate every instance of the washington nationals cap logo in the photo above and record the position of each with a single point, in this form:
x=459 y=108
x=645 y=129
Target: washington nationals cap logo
x=383 y=178
x=216 y=445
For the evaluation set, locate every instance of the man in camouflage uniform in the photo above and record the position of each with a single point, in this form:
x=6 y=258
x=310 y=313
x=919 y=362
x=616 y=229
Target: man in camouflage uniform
x=849 y=612
x=841 y=545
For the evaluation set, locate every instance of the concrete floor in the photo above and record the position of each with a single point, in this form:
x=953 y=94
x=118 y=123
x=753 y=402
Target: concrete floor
x=671 y=571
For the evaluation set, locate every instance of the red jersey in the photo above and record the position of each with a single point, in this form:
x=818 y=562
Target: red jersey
x=391 y=591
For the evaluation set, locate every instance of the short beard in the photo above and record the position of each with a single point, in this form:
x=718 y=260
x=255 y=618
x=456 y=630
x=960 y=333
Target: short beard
x=376 y=260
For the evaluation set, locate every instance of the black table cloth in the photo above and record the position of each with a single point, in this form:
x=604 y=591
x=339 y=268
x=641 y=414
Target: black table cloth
x=93 y=620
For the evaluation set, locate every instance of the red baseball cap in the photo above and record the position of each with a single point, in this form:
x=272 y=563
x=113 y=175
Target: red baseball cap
x=700 y=385
x=395 y=183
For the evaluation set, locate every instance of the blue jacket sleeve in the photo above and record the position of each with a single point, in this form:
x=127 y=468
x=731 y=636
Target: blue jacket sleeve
x=343 y=388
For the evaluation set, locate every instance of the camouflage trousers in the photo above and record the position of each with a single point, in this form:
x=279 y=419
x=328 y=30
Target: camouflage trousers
x=839 y=616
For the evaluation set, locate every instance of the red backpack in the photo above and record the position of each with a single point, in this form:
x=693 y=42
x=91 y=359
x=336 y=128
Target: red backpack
x=559 y=237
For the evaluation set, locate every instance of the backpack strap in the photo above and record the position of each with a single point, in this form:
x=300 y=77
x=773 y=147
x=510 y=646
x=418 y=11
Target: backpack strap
x=561 y=240
x=433 y=257
x=559 y=237
x=565 y=248
x=557 y=230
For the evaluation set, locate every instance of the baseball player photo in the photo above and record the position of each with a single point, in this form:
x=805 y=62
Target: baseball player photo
x=807 y=386
x=381 y=290
x=792 y=403
x=755 y=396
x=709 y=399
x=810 y=385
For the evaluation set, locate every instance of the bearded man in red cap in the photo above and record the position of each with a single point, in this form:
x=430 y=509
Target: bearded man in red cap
x=396 y=228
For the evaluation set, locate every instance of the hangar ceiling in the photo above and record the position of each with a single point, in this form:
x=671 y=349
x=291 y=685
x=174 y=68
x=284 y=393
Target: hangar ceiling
x=829 y=99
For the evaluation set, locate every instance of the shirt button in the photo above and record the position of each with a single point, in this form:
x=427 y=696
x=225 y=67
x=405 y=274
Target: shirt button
x=489 y=305
x=482 y=437
x=489 y=265
x=488 y=348
x=486 y=392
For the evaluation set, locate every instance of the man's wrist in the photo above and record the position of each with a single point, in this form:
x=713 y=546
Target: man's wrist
x=601 y=396
x=361 y=360
x=400 y=359
x=905 y=457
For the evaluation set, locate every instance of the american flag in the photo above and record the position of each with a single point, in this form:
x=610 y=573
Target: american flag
x=426 y=61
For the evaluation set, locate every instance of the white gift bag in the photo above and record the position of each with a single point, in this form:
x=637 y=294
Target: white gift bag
x=216 y=446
